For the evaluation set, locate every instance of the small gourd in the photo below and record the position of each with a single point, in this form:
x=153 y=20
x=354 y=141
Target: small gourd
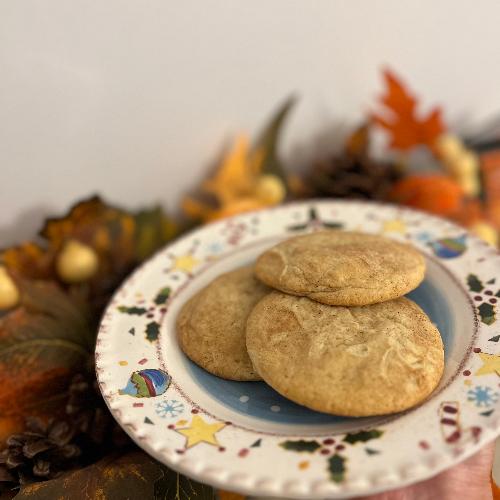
x=76 y=262
x=9 y=293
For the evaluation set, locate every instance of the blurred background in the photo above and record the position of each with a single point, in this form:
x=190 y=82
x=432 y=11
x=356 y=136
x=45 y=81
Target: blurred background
x=135 y=100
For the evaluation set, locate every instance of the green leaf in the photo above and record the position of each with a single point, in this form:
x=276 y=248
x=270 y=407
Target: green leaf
x=153 y=228
x=474 y=283
x=133 y=310
x=42 y=343
x=362 y=436
x=130 y=476
x=152 y=331
x=162 y=296
x=336 y=468
x=298 y=227
x=268 y=140
x=301 y=446
x=333 y=225
x=487 y=313
x=498 y=293
x=313 y=214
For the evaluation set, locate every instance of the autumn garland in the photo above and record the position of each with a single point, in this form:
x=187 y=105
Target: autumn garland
x=52 y=291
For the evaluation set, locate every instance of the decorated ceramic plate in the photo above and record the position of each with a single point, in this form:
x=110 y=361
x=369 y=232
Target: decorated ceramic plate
x=244 y=436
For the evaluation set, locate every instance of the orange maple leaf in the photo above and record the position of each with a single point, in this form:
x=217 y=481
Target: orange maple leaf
x=401 y=120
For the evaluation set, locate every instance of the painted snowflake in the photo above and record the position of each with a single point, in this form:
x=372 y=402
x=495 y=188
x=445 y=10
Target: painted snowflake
x=169 y=409
x=482 y=396
x=424 y=236
x=215 y=247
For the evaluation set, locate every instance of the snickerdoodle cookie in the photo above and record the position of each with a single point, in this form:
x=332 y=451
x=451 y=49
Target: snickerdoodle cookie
x=342 y=268
x=211 y=325
x=351 y=361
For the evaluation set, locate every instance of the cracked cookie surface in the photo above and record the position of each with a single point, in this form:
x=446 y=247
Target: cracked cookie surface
x=342 y=268
x=351 y=361
x=211 y=325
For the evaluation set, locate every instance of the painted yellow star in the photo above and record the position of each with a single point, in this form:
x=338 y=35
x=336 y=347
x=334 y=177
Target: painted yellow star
x=491 y=364
x=185 y=263
x=394 y=226
x=201 y=432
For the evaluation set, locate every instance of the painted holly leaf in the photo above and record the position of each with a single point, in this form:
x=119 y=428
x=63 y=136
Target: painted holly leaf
x=301 y=446
x=162 y=296
x=487 y=313
x=487 y=413
x=42 y=343
x=333 y=225
x=152 y=331
x=135 y=473
x=297 y=227
x=266 y=144
x=337 y=468
x=132 y=310
x=498 y=293
x=401 y=118
x=362 y=436
x=474 y=283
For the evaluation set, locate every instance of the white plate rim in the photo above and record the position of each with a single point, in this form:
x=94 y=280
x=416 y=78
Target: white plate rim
x=252 y=483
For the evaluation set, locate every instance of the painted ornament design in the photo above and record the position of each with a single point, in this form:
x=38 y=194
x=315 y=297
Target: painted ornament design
x=146 y=383
x=449 y=248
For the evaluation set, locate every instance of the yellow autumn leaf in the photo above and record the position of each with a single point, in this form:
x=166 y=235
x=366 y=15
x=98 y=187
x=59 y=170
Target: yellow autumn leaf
x=236 y=176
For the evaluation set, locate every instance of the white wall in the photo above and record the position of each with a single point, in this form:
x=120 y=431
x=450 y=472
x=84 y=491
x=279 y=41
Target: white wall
x=135 y=98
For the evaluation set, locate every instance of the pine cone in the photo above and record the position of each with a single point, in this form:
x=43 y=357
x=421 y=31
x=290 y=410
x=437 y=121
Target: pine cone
x=353 y=173
x=351 y=176
x=90 y=415
x=44 y=451
x=41 y=451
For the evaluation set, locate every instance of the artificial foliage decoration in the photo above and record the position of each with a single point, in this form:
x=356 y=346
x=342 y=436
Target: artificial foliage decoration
x=82 y=433
x=461 y=163
x=43 y=342
x=435 y=193
x=9 y=291
x=135 y=473
x=248 y=178
x=400 y=117
x=353 y=173
x=57 y=437
x=91 y=249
